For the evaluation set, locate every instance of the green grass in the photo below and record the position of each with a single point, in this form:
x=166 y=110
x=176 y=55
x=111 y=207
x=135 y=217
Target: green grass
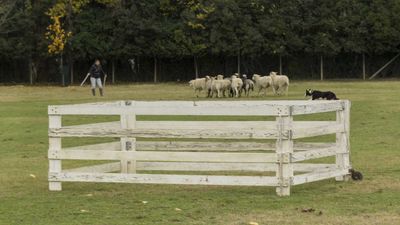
x=375 y=141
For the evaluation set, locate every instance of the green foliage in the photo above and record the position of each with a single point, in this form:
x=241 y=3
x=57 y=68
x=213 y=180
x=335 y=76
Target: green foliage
x=181 y=28
x=15 y=36
x=88 y=41
x=117 y=29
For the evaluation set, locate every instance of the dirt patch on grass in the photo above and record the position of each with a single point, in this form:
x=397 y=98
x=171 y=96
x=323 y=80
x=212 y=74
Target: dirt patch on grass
x=377 y=184
x=297 y=217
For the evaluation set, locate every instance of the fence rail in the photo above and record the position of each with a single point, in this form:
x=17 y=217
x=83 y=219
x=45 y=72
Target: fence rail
x=198 y=146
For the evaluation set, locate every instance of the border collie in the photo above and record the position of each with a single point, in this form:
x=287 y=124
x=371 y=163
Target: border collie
x=328 y=95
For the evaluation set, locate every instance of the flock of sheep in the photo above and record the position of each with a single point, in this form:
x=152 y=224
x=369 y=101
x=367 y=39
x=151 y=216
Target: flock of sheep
x=235 y=85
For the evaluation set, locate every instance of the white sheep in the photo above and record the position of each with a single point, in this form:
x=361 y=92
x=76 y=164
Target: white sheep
x=236 y=85
x=280 y=83
x=198 y=85
x=208 y=85
x=220 y=77
x=219 y=87
x=262 y=83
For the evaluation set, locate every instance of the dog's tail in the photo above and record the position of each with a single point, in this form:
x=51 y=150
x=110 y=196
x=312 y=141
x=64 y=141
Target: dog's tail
x=336 y=98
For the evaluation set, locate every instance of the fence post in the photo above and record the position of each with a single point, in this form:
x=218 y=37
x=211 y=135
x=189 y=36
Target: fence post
x=54 y=148
x=155 y=69
x=343 y=140
x=321 y=67
x=113 y=72
x=127 y=143
x=363 y=65
x=284 y=150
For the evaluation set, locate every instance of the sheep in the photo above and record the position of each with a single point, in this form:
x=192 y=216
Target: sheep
x=229 y=89
x=247 y=85
x=220 y=77
x=208 y=85
x=219 y=86
x=279 y=83
x=236 y=85
x=262 y=82
x=198 y=85
x=209 y=81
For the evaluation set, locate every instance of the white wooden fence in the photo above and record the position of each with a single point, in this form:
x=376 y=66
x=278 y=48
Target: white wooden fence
x=229 y=146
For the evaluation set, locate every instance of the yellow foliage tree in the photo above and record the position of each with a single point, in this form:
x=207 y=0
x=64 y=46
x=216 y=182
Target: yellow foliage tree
x=56 y=33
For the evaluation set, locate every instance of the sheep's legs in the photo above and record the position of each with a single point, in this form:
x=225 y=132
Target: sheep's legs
x=274 y=90
x=265 y=91
x=278 y=91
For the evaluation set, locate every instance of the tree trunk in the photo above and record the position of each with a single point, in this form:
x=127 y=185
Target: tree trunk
x=61 y=70
x=113 y=71
x=138 y=65
x=225 y=59
x=196 y=69
x=71 y=70
x=322 y=67
x=238 y=63
x=280 y=64
x=155 y=70
x=30 y=71
x=363 y=66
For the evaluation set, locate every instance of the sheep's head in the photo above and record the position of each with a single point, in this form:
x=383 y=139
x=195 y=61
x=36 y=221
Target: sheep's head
x=256 y=76
x=220 y=77
x=234 y=76
x=209 y=78
x=191 y=83
x=272 y=73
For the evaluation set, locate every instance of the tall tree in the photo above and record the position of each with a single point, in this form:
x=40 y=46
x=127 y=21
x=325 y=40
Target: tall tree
x=57 y=33
x=320 y=29
x=191 y=34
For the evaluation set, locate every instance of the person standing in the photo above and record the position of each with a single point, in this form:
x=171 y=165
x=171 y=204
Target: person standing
x=96 y=72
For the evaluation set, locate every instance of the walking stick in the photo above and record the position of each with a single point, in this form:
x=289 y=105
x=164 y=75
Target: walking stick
x=105 y=78
x=84 y=80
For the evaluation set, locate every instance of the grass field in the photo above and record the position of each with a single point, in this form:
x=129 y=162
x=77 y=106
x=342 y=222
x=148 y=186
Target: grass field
x=375 y=148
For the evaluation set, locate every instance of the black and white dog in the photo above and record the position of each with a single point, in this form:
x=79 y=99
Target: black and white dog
x=328 y=95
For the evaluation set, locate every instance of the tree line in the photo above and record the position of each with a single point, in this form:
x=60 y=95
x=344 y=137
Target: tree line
x=41 y=39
